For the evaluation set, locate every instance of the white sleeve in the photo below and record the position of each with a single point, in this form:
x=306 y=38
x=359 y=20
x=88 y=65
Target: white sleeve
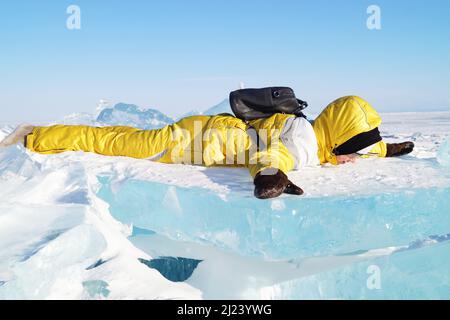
x=299 y=137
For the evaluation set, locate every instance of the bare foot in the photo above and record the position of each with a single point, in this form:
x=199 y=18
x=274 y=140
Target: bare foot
x=17 y=136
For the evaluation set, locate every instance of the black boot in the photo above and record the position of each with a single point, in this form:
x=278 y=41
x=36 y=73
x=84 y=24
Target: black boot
x=399 y=149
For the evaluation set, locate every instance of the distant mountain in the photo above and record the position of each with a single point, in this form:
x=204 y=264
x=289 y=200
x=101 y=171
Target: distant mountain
x=223 y=107
x=131 y=115
x=123 y=114
x=189 y=114
x=78 y=119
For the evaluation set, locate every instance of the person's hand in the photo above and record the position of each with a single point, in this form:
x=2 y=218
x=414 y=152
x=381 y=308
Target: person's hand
x=272 y=183
x=399 y=149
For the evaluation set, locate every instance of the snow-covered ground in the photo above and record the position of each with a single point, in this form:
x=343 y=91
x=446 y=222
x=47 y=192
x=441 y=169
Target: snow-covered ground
x=84 y=226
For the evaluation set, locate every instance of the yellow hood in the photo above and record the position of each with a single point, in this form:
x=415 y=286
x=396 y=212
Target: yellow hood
x=342 y=120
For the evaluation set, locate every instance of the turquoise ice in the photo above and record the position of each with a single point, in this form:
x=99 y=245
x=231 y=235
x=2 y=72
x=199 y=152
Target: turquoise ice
x=399 y=238
x=82 y=226
x=443 y=155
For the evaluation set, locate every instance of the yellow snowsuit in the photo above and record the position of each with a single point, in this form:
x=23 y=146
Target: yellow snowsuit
x=213 y=140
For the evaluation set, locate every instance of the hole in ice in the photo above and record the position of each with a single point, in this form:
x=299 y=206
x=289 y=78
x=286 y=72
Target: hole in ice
x=175 y=269
x=96 y=288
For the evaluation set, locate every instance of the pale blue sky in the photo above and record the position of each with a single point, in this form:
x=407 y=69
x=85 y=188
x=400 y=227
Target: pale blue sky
x=178 y=55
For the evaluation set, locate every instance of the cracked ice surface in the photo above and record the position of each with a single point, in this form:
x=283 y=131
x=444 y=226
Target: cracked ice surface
x=77 y=226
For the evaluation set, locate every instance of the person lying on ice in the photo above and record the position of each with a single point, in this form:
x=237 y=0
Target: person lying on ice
x=268 y=147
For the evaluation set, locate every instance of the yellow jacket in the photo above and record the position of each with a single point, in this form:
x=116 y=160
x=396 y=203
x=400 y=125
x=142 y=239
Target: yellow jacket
x=212 y=140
